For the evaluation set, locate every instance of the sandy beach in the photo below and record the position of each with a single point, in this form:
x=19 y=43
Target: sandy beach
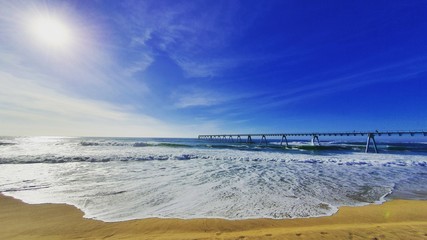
x=397 y=219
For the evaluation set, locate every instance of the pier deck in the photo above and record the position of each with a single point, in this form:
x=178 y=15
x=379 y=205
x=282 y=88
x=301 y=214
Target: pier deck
x=314 y=136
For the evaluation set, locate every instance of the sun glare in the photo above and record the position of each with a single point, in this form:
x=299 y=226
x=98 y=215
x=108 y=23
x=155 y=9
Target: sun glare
x=51 y=31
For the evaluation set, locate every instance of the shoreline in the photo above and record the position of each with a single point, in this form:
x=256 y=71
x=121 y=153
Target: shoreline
x=395 y=219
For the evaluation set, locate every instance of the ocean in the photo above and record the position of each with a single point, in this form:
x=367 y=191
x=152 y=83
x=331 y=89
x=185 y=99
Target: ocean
x=117 y=179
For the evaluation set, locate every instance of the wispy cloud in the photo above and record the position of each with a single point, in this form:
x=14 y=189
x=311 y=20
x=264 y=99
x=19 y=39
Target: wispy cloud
x=186 y=37
x=87 y=92
x=90 y=68
x=204 y=69
x=139 y=66
x=197 y=98
x=299 y=91
x=135 y=62
x=28 y=108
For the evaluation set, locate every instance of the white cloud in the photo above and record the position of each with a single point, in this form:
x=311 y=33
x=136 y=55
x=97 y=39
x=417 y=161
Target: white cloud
x=90 y=91
x=197 y=98
x=140 y=65
x=141 y=39
x=400 y=71
x=185 y=37
x=28 y=108
x=203 y=69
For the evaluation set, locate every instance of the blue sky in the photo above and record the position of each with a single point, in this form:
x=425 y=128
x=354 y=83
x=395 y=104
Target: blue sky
x=183 y=68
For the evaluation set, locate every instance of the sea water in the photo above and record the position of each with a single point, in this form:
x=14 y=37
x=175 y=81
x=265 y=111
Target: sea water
x=116 y=179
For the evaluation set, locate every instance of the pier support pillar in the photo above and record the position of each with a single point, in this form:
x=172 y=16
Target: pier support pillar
x=239 y=140
x=286 y=141
x=231 y=139
x=371 y=136
x=249 y=139
x=263 y=139
x=314 y=139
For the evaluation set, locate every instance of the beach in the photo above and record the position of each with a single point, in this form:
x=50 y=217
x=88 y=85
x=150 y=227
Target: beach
x=397 y=219
x=138 y=188
x=213 y=119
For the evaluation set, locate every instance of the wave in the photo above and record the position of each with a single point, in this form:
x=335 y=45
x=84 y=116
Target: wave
x=131 y=144
x=347 y=161
x=94 y=159
x=225 y=189
x=413 y=147
x=241 y=181
x=297 y=146
x=95 y=143
x=173 y=145
x=139 y=144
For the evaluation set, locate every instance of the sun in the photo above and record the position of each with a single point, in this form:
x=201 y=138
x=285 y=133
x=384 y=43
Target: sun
x=51 y=31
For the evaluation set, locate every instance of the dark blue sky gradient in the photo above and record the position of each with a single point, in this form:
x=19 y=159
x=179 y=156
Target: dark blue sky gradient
x=288 y=65
x=262 y=66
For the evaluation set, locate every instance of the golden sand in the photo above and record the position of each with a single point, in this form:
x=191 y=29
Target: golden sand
x=398 y=219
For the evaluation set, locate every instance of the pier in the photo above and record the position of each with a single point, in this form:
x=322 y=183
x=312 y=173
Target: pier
x=247 y=138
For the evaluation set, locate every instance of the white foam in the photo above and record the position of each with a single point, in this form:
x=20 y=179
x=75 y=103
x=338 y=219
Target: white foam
x=195 y=182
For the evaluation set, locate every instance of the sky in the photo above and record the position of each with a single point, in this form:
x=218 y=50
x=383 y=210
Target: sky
x=182 y=68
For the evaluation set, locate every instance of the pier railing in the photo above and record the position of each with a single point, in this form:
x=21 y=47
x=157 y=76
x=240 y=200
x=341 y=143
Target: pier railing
x=314 y=136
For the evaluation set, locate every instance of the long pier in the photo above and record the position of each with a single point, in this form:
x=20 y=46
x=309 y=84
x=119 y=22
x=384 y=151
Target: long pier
x=314 y=136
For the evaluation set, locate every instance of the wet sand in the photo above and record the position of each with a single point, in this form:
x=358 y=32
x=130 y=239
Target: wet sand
x=397 y=219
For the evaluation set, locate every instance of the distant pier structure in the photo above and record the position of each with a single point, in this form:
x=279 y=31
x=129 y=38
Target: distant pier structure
x=247 y=138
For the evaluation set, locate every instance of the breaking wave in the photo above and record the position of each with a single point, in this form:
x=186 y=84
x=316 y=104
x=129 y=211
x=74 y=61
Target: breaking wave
x=114 y=179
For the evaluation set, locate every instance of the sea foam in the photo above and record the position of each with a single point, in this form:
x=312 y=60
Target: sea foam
x=189 y=179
